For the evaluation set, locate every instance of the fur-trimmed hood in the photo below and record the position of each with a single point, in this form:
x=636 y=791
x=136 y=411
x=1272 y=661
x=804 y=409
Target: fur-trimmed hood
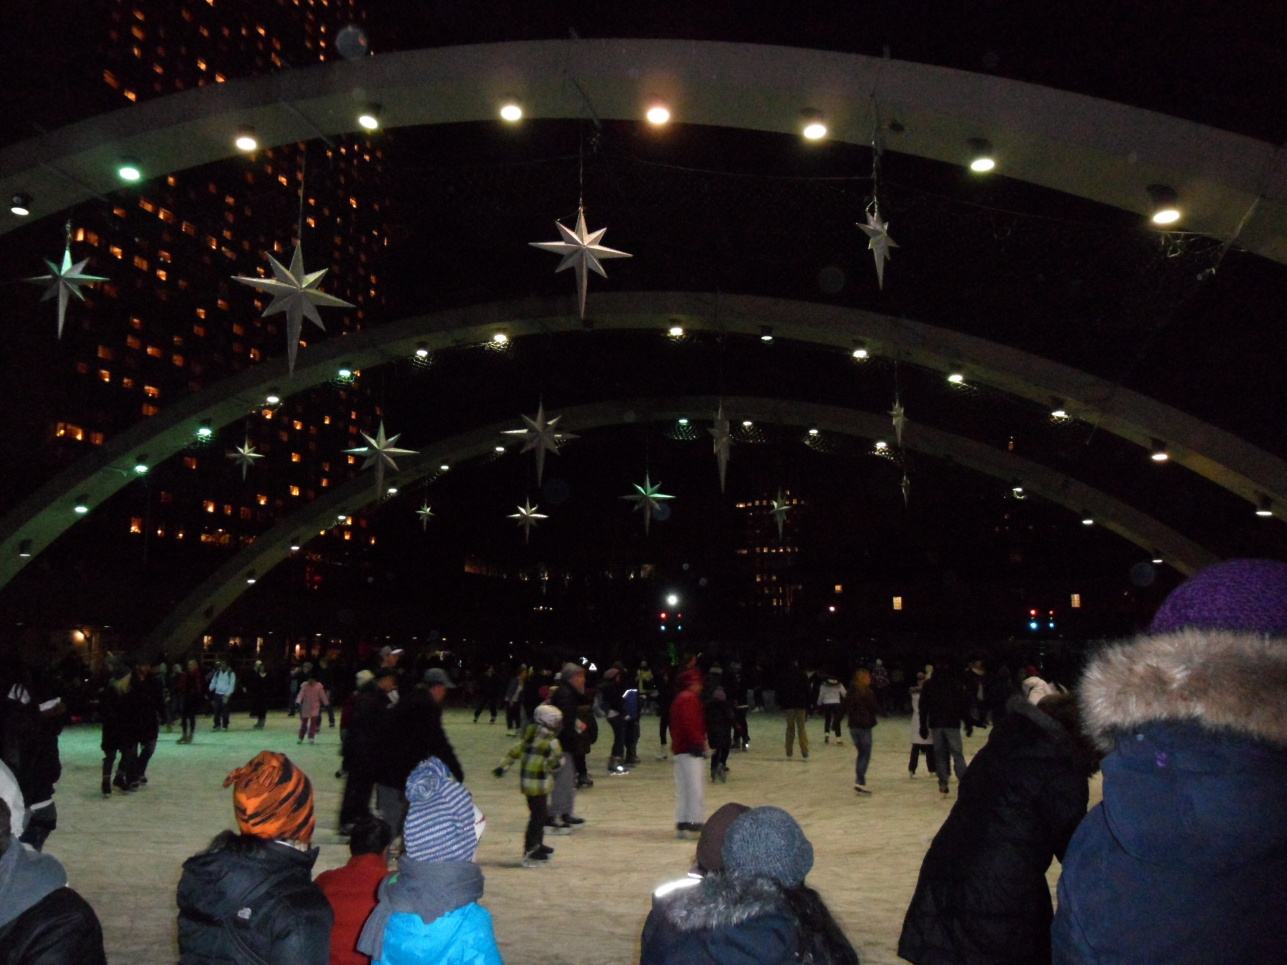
x=1220 y=679
x=722 y=920
x=720 y=901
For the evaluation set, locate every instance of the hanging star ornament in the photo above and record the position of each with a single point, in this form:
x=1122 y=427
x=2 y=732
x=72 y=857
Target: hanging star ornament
x=580 y=250
x=379 y=452
x=295 y=293
x=723 y=440
x=425 y=514
x=878 y=241
x=245 y=456
x=779 y=512
x=64 y=282
x=899 y=419
x=648 y=499
x=527 y=516
x=542 y=435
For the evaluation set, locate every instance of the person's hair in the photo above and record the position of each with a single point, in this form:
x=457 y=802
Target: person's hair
x=370 y=836
x=862 y=679
x=6 y=832
x=821 y=939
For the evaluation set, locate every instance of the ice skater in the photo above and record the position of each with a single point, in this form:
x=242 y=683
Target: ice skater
x=540 y=755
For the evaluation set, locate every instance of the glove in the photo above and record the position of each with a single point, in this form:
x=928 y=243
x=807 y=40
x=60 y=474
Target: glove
x=498 y=772
x=924 y=733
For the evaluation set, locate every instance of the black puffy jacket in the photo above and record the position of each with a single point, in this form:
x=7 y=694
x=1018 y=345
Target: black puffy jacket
x=43 y=922
x=248 y=901
x=982 y=895
x=721 y=920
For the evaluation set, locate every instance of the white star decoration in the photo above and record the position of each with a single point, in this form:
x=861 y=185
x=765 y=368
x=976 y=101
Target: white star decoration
x=65 y=281
x=379 y=452
x=527 y=516
x=723 y=440
x=541 y=434
x=425 y=514
x=245 y=456
x=581 y=250
x=648 y=499
x=779 y=512
x=296 y=294
x=899 y=419
x=878 y=242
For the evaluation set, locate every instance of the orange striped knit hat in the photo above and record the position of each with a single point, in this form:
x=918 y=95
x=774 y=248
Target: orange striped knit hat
x=273 y=798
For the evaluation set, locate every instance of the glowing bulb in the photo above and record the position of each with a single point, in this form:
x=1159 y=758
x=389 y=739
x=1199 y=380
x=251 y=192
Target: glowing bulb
x=129 y=170
x=246 y=140
x=511 y=112
x=657 y=114
x=815 y=131
x=956 y=378
x=676 y=330
x=500 y=338
x=860 y=353
x=1166 y=216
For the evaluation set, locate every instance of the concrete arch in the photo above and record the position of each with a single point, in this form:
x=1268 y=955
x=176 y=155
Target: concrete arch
x=190 y=618
x=1080 y=145
x=1217 y=455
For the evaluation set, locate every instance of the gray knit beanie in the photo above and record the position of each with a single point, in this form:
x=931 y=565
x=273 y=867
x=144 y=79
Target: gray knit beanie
x=766 y=841
x=570 y=670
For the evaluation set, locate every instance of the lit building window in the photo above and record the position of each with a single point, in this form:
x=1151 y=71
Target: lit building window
x=898 y=603
x=190 y=462
x=839 y=588
x=1075 y=603
x=155 y=351
x=149 y=409
x=178 y=360
x=136 y=525
x=262 y=499
x=208 y=505
x=299 y=426
x=67 y=430
x=295 y=457
x=106 y=353
x=151 y=391
x=127 y=383
x=133 y=341
x=104 y=375
x=294 y=490
x=97 y=438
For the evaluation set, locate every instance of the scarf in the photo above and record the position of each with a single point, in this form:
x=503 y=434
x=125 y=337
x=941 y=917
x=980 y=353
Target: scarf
x=429 y=889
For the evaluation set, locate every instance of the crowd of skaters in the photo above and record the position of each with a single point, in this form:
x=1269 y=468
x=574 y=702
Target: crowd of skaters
x=1186 y=718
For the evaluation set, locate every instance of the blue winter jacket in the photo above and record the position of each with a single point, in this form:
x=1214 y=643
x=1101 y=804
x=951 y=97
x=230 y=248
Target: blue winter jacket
x=460 y=937
x=1185 y=861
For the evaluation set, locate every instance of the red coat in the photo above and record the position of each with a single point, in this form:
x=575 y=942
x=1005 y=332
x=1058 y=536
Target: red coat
x=687 y=723
x=351 y=892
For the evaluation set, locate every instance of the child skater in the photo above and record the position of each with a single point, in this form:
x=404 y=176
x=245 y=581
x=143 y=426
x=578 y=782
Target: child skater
x=310 y=700
x=541 y=753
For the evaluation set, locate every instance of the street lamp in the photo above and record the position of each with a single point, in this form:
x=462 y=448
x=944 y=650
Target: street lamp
x=672 y=600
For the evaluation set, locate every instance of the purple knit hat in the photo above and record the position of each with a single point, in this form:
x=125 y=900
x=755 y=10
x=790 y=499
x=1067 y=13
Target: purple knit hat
x=1245 y=596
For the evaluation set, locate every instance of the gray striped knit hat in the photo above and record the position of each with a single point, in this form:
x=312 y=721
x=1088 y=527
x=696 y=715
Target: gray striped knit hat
x=440 y=820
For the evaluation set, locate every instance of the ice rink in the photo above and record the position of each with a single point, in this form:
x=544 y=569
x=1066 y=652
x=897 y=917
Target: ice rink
x=124 y=853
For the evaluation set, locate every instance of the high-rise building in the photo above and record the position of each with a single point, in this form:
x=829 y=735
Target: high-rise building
x=770 y=548
x=171 y=320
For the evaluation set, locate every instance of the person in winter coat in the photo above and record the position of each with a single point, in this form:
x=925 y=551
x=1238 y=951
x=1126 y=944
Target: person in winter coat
x=310 y=700
x=862 y=710
x=490 y=687
x=944 y=706
x=190 y=691
x=42 y=920
x=756 y=911
x=413 y=732
x=118 y=733
x=223 y=684
x=514 y=702
x=144 y=709
x=982 y=897
x=611 y=695
x=566 y=696
x=250 y=897
x=258 y=685
x=688 y=745
x=363 y=735
x=428 y=912
x=831 y=695
x=31 y=714
x=718 y=710
x=1183 y=861
x=793 y=698
x=351 y=890
x=540 y=755
x=919 y=743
